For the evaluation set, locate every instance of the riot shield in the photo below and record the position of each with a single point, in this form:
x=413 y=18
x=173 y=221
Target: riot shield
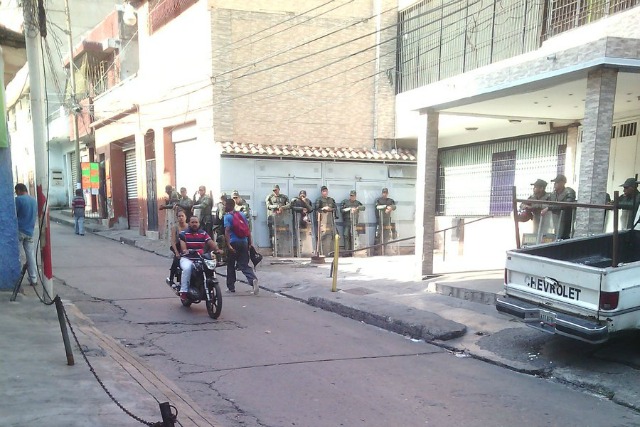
x=388 y=233
x=360 y=240
x=325 y=233
x=352 y=233
x=282 y=235
x=303 y=240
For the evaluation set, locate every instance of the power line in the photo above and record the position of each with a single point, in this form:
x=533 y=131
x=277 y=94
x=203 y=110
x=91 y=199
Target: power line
x=278 y=24
x=340 y=72
x=253 y=63
x=328 y=64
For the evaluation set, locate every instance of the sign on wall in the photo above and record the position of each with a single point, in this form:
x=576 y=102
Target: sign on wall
x=90 y=177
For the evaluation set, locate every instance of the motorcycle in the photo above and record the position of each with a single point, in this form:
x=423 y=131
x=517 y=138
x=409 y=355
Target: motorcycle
x=203 y=285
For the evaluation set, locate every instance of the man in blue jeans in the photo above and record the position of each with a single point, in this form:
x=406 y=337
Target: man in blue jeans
x=78 y=206
x=237 y=251
x=27 y=212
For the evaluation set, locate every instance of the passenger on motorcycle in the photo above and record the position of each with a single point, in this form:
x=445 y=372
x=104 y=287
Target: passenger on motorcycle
x=192 y=240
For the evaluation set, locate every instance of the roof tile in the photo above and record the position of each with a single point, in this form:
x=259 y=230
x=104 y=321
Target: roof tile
x=309 y=152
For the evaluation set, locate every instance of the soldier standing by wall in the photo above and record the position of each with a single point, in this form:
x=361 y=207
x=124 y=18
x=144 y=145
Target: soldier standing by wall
x=350 y=208
x=384 y=206
x=276 y=203
x=562 y=217
x=325 y=208
x=301 y=208
x=534 y=210
x=185 y=202
x=204 y=203
x=628 y=202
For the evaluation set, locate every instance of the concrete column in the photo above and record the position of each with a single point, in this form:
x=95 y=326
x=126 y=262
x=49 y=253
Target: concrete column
x=426 y=193
x=596 y=141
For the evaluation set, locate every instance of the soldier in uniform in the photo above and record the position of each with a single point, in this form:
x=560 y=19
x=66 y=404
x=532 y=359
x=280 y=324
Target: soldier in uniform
x=562 y=217
x=534 y=210
x=384 y=206
x=628 y=202
x=303 y=205
x=301 y=208
x=218 y=215
x=350 y=208
x=204 y=203
x=185 y=202
x=172 y=198
x=325 y=208
x=242 y=206
x=276 y=203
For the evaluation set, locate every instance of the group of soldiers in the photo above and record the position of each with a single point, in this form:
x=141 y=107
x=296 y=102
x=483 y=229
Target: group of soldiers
x=323 y=222
x=296 y=219
x=211 y=217
x=562 y=217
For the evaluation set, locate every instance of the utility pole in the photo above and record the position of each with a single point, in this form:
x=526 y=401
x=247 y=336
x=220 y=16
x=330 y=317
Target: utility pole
x=74 y=102
x=39 y=122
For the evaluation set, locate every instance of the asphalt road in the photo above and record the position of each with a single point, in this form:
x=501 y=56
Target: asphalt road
x=272 y=361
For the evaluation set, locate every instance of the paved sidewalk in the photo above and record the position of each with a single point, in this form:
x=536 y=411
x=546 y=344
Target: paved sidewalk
x=38 y=387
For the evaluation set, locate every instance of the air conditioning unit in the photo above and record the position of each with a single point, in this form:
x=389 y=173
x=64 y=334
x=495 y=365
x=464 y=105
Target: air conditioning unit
x=109 y=45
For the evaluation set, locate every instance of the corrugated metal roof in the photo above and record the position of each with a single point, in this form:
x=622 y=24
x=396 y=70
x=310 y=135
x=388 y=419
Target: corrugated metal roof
x=307 y=152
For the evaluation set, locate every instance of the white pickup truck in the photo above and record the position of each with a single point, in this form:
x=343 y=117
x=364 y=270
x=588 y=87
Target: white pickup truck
x=584 y=288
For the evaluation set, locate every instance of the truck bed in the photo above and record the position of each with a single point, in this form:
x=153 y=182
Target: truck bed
x=591 y=251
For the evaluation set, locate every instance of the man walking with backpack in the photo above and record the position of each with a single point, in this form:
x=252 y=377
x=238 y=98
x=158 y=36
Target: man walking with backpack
x=238 y=238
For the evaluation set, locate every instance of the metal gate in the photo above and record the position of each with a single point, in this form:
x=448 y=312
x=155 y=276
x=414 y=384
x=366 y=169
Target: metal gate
x=133 y=208
x=73 y=174
x=152 y=199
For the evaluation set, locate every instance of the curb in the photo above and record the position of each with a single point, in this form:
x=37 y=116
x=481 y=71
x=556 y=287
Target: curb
x=473 y=295
x=429 y=328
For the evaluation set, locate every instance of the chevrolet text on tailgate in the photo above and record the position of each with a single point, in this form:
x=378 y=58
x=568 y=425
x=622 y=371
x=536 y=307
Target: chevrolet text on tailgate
x=584 y=288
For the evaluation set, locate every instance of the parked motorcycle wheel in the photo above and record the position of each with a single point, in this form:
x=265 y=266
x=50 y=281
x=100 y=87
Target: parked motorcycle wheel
x=214 y=307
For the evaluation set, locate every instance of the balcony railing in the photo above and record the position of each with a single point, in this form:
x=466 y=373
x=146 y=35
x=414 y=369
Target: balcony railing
x=565 y=15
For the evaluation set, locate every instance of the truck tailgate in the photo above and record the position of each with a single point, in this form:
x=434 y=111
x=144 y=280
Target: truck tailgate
x=559 y=284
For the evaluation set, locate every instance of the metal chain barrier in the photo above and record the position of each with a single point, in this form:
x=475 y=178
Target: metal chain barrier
x=125 y=410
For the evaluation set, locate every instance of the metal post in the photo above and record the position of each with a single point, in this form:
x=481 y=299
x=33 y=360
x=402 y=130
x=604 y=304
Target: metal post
x=39 y=123
x=336 y=254
x=168 y=419
x=614 y=252
x=74 y=103
x=515 y=215
x=63 y=329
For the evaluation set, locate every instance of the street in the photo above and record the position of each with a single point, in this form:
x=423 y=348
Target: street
x=273 y=361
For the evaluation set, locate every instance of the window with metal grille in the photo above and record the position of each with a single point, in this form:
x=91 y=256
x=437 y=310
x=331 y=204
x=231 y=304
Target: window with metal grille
x=563 y=15
x=628 y=129
x=473 y=180
x=562 y=158
x=162 y=12
x=503 y=173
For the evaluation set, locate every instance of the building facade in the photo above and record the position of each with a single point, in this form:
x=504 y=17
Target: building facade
x=511 y=91
x=289 y=92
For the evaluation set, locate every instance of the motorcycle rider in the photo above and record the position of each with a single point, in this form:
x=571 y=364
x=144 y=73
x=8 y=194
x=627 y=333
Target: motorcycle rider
x=193 y=239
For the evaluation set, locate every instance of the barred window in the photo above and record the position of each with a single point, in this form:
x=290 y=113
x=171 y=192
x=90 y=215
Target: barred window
x=163 y=11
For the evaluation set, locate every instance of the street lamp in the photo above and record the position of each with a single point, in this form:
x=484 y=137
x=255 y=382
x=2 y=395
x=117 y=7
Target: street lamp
x=129 y=15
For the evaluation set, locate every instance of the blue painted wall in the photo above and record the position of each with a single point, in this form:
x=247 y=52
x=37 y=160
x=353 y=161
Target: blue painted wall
x=9 y=250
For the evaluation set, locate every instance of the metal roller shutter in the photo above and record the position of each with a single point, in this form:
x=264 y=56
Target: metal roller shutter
x=133 y=209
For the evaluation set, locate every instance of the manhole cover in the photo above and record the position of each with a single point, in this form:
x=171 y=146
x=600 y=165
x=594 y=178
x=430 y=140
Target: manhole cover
x=359 y=291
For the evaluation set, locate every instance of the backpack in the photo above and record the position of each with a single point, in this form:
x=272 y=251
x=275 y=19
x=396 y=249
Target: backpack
x=239 y=225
